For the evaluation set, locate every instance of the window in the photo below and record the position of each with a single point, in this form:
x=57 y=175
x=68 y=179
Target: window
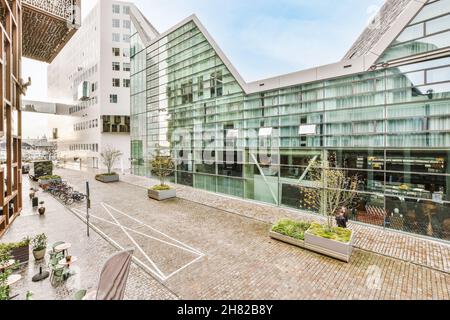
x=116 y=52
x=116 y=82
x=116 y=23
x=116 y=66
x=126 y=10
x=126 y=38
x=116 y=37
x=116 y=8
x=126 y=83
x=113 y=98
x=126 y=52
x=127 y=24
x=126 y=67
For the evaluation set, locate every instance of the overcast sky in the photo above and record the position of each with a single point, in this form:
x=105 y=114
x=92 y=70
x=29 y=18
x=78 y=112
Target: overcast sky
x=262 y=38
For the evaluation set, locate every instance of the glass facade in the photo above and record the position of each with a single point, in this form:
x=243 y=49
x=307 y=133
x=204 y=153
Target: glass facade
x=391 y=127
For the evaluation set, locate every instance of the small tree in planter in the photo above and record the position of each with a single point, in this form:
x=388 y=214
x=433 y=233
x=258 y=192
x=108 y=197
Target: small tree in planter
x=331 y=190
x=109 y=156
x=39 y=244
x=162 y=167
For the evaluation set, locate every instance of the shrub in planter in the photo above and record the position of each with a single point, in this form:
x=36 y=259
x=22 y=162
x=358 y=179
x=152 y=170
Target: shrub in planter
x=19 y=251
x=336 y=233
x=290 y=231
x=162 y=167
x=335 y=242
x=109 y=156
x=291 y=228
x=39 y=244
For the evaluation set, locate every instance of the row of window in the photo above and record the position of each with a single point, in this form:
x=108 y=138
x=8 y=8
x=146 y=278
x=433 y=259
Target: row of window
x=116 y=37
x=84 y=147
x=116 y=83
x=125 y=23
x=86 y=125
x=125 y=54
x=116 y=9
x=83 y=105
x=125 y=66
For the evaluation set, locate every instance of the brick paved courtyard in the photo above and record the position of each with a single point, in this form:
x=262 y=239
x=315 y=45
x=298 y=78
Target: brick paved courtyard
x=201 y=246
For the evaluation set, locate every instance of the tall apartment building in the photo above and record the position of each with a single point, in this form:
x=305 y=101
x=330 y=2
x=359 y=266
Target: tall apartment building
x=383 y=113
x=92 y=73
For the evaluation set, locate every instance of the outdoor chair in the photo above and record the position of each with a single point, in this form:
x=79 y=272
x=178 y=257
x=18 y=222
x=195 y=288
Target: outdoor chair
x=54 y=256
x=113 y=279
x=57 y=274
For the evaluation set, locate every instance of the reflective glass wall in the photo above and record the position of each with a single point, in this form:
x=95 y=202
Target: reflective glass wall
x=390 y=127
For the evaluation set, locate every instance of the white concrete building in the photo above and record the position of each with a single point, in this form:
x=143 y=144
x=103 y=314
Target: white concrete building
x=92 y=73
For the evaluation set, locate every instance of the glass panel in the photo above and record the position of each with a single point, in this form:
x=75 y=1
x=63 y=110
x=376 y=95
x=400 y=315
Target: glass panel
x=429 y=218
x=438 y=75
x=425 y=161
x=438 y=25
x=433 y=10
x=411 y=33
x=423 y=45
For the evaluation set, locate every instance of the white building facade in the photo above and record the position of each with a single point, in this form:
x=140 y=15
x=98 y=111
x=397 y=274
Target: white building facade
x=92 y=74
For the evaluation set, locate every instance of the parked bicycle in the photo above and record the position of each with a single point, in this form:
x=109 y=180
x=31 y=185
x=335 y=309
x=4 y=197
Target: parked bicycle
x=64 y=192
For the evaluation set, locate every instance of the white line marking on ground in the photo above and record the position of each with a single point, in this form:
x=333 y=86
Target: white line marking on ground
x=157 y=231
x=158 y=273
x=186 y=266
x=145 y=235
x=134 y=242
x=81 y=215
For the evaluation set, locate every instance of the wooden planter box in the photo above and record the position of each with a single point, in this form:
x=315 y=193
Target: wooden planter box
x=108 y=178
x=21 y=255
x=286 y=239
x=335 y=249
x=162 y=195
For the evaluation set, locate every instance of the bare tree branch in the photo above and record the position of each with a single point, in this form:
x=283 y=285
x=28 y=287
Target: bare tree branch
x=110 y=156
x=330 y=190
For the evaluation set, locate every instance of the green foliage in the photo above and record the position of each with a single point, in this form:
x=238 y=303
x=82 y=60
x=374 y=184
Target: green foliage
x=161 y=188
x=7 y=247
x=4 y=289
x=162 y=167
x=292 y=228
x=53 y=177
x=337 y=234
x=39 y=242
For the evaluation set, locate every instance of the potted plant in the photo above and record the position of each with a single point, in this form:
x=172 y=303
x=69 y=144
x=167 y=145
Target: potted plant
x=109 y=158
x=290 y=231
x=162 y=167
x=330 y=190
x=41 y=209
x=39 y=244
x=19 y=251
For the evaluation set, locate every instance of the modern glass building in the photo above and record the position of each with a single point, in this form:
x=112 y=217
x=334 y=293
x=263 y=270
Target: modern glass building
x=382 y=113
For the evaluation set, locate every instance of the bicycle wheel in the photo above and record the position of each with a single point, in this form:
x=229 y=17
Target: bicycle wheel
x=69 y=201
